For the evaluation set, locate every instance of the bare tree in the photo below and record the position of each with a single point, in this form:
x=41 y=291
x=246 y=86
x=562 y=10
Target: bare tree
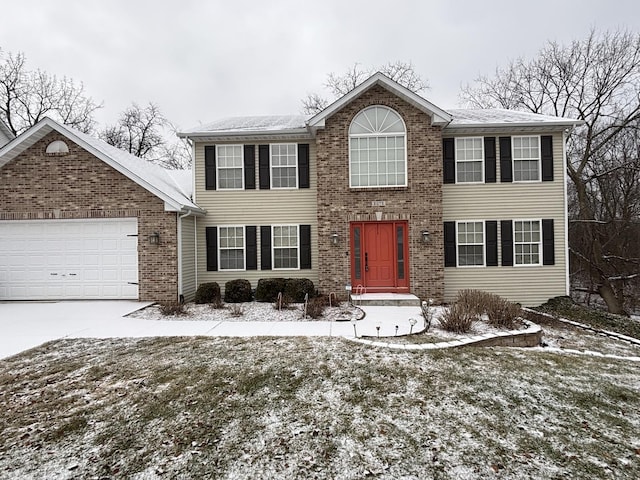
x=141 y=131
x=339 y=85
x=27 y=96
x=596 y=80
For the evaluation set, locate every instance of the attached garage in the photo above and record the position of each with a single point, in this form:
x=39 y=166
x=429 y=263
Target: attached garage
x=81 y=219
x=69 y=259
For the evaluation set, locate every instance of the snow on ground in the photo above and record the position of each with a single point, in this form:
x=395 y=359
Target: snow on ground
x=247 y=312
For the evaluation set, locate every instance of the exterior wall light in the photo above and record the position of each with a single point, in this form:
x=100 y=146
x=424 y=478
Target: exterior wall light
x=154 y=238
x=334 y=238
x=425 y=236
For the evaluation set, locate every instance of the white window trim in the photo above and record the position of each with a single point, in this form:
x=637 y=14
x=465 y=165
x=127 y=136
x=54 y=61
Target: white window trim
x=371 y=135
x=271 y=167
x=455 y=150
x=513 y=159
x=218 y=168
x=540 y=252
x=244 y=249
x=484 y=244
x=273 y=246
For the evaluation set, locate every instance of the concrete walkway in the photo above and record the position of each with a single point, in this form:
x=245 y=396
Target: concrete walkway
x=25 y=325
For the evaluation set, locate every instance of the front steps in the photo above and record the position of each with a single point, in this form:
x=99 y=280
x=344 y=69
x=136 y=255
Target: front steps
x=386 y=299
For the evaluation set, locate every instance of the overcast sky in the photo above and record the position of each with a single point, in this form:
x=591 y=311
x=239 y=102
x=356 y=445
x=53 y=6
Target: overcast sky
x=203 y=60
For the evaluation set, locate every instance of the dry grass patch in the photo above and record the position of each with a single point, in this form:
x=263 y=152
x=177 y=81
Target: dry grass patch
x=313 y=408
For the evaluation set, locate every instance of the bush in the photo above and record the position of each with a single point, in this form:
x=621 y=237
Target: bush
x=268 y=289
x=236 y=310
x=284 y=303
x=457 y=318
x=316 y=306
x=208 y=293
x=297 y=288
x=169 y=309
x=502 y=313
x=499 y=311
x=238 y=291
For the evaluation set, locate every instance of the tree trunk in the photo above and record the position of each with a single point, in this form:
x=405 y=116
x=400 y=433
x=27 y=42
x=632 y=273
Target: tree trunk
x=614 y=303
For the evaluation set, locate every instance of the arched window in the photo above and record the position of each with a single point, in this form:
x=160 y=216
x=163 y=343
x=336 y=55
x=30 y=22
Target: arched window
x=377 y=149
x=57 y=147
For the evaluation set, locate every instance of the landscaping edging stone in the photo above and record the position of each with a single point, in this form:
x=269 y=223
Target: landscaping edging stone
x=530 y=337
x=534 y=314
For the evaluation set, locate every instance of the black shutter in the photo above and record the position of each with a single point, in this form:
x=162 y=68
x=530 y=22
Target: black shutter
x=491 y=233
x=265 y=247
x=249 y=167
x=450 y=244
x=490 y=159
x=449 y=159
x=303 y=165
x=546 y=150
x=506 y=168
x=210 y=167
x=305 y=246
x=212 y=249
x=506 y=238
x=548 y=254
x=263 y=160
x=251 y=248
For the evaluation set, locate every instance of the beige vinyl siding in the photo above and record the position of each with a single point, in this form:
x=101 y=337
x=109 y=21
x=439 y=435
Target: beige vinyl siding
x=529 y=285
x=256 y=207
x=188 y=252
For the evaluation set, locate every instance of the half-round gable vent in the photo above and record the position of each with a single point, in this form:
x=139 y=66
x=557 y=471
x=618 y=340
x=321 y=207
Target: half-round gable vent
x=57 y=147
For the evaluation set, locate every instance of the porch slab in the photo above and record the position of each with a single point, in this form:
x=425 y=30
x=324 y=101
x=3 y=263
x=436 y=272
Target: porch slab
x=386 y=299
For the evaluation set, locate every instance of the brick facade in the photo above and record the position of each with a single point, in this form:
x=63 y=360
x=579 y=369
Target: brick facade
x=36 y=185
x=420 y=203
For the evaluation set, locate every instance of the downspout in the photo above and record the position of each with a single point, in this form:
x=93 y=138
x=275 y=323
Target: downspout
x=566 y=211
x=180 y=261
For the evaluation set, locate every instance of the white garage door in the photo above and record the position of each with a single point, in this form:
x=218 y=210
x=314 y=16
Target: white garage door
x=69 y=259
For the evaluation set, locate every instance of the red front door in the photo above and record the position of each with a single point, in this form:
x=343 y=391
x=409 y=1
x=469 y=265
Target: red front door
x=379 y=256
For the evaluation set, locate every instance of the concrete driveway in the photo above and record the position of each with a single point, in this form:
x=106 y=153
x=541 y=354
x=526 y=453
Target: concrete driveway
x=25 y=325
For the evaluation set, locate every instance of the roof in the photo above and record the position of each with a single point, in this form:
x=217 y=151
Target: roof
x=438 y=116
x=251 y=124
x=230 y=128
x=499 y=117
x=165 y=184
x=6 y=132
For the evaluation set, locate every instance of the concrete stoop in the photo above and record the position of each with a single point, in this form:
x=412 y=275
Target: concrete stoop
x=386 y=299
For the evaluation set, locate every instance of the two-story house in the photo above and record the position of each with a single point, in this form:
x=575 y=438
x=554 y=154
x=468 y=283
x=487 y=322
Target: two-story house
x=382 y=191
x=387 y=191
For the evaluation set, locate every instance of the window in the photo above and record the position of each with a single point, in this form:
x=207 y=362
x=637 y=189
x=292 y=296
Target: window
x=526 y=241
x=285 y=247
x=526 y=159
x=470 y=244
x=469 y=160
x=230 y=161
x=231 y=245
x=284 y=165
x=377 y=149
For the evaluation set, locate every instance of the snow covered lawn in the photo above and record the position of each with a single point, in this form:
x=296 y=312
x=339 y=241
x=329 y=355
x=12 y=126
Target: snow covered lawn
x=324 y=408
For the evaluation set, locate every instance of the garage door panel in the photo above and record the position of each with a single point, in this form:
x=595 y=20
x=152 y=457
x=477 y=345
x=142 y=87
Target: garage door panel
x=57 y=259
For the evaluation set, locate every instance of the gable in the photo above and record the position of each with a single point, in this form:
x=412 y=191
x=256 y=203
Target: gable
x=75 y=180
x=151 y=177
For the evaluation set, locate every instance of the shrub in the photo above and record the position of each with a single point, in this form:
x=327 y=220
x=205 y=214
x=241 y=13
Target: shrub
x=297 y=288
x=217 y=304
x=238 y=291
x=208 y=293
x=236 y=310
x=268 y=289
x=316 y=306
x=168 y=309
x=499 y=311
x=502 y=313
x=457 y=319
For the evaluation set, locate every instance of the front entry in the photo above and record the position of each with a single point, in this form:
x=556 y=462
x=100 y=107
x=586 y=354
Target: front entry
x=379 y=256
